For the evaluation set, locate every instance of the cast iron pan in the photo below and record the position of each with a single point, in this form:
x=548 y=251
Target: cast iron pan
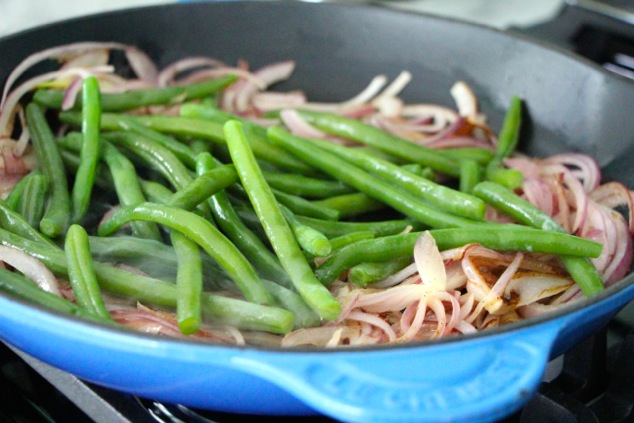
x=572 y=105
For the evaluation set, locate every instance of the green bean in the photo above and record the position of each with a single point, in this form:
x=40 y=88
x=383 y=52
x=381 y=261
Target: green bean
x=81 y=273
x=309 y=239
x=378 y=228
x=349 y=238
x=235 y=312
x=507 y=142
x=338 y=228
x=253 y=248
x=13 y=199
x=276 y=227
x=71 y=161
x=15 y=222
x=180 y=150
x=33 y=199
x=189 y=283
x=203 y=187
x=154 y=155
x=288 y=299
x=500 y=237
x=197 y=128
x=305 y=207
x=156 y=192
x=57 y=214
x=442 y=197
x=202 y=232
x=361 y=132
x=510 y=178
x=367 y=273
x=367 y=183
x=509 y=134
x=141 y=98
x=470 y=175
x=153 y=258
x=24 y=288
x=128 y=188
x=304 y=186
x=89 y=154
x=581 y=269
x=350 y=205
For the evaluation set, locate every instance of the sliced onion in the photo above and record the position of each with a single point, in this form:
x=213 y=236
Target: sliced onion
x=31 y=267
x=529 y=287
x=465 y=99
x=429 y=263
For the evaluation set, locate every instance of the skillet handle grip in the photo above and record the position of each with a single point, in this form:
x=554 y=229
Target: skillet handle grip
x=484 y=379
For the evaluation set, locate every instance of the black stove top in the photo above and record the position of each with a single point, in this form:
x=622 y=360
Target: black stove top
x=593 y=382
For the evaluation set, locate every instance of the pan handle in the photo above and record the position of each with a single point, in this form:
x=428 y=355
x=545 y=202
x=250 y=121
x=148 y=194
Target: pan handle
x=482 y=379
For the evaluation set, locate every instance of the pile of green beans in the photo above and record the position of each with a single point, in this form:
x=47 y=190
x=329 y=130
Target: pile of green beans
x=208 y=201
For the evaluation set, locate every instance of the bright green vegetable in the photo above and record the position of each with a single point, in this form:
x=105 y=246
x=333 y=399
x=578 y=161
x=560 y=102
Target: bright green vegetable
x=189 y=283
x=202 y=232
x=279 y=233
x=32 y=201
x=90 y=149
x=57 y=214
x=581 y=269
x=141 y=98
x=500 y=237
x=81 y=273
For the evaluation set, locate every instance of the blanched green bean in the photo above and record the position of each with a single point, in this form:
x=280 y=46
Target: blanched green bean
x=441 y=196
x=90 y=149
x=350 y=205
x=81 y=273
x=361 y=132
x=57 y=214
x=189 y=283
x=201 y=129
x=309 y=239
x=367 y=183
x=500 y=237
x=24 y=288
x=249 y=243
x=204 y=234
x=581 y=269
x=241 y=314
x=32 y=201
x=141 y=98
x=276 y=227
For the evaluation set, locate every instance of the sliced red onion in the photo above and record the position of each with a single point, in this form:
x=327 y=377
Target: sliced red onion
x=374 y=321
x=583 y=167
x=266 y=101
x=396 y=278
x=430 y=264
x=465 y=99
x=621 y=260
x=12 y=99
x=90 y=59
x=31 y=267
x=168 y=74
x=71 y=93
x=139 y=61
x=505 y=278
x=614 y=195
x=531 y=287
x=579 y=196
x=269 y=74
x=318 y=336
x=298 y=125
